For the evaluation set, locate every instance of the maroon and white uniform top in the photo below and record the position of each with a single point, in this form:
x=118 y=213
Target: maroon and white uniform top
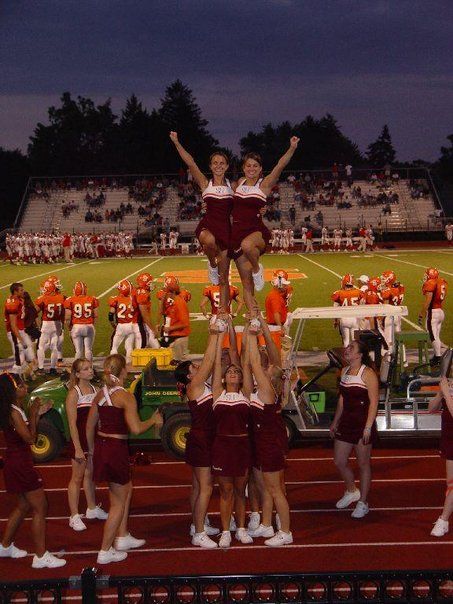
x=111 y=418
x=267 y=418
x=218 y=195
x=354 y=390
x=231 y=414
x=201 y=411
x=85 y=400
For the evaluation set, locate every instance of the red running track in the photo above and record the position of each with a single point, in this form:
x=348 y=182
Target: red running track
x=407 y=494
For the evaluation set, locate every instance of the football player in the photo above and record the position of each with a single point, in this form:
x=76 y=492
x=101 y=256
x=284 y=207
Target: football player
x=435 y=290
x=51 y=306
x=81 y=312
x=348 y=295
x=145 y=284
x=123 y=317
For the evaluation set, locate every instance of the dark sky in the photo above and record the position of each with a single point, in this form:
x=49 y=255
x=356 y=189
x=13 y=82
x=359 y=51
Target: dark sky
x=248 y=62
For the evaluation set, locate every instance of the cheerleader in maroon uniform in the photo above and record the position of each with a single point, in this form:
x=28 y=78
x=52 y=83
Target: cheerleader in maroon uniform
x=249 y=235
x=114 y=413
x=213 y=231
x=270 y=441
x=78 y=402
x=444 y=400
x=354 y=425
x=231 y=455
x=21 y=478
x=192 y=377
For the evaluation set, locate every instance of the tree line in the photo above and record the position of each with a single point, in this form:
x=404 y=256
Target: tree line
x=84 y=138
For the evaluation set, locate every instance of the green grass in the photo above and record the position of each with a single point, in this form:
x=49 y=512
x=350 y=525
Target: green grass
x=314 y=290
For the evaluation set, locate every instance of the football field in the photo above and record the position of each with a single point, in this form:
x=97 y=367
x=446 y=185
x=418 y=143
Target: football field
x=314 y=277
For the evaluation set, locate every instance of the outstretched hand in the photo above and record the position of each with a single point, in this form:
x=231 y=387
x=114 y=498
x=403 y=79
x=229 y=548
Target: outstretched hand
x=293 y=142
x=174 y=136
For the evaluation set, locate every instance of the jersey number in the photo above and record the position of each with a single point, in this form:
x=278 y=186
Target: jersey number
x=82 y=310
x=125 y=311
x=51 y=308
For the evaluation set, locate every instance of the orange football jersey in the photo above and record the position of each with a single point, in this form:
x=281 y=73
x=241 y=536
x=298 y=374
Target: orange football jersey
x=212 y=292
x=439 y=288
x=125 y=308
x=275 y=302
x=347 y=297
x=82 y=309
x=51 y=307
x=143 y=298
x=15 y=306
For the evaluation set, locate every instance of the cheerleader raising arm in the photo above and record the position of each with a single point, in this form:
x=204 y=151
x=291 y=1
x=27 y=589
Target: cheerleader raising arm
x=272 y=178
x=198 y=175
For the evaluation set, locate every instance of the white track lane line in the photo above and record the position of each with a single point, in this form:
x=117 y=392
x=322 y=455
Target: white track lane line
x=293 y=511
x=170 y=463
x=160 y=550
x=414 y=325
x=288 y=482
x=412 y=264
x=49 y=271
x=127 y=276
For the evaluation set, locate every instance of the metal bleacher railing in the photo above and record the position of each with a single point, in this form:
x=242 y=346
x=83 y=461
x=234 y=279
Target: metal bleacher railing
x=404 y=587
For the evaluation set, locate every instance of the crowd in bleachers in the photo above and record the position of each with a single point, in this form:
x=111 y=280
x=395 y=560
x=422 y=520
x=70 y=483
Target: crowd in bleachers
x=418 y=189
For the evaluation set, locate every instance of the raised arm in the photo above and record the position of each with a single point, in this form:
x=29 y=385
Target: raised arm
x=198 y=175
x=271 y=179
x=272 y=350
x=248 y=385
x=264 y=385
x=234 y=354
x=195 y=388
x=217 y=387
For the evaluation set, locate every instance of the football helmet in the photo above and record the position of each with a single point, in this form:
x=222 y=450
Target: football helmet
x=364 y=279
x=125 y=287
x=374 y=283
x=280 y=278
x=48 y=287
x=145 y=280
x=347 y=280
x=80 y=288
x=57 y=282
x=171 y=283
x=388 y=278
x=430 y=273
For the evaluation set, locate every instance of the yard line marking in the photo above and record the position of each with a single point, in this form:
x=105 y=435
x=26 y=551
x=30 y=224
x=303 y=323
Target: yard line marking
x=414 y=325
x=158 y=550
x=127 y=277
x=164 y=463
x=293 y=511
x=49 y=271
x=289 y=482
x=414 y=264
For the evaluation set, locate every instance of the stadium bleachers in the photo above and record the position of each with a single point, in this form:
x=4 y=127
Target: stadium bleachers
x=46 y=214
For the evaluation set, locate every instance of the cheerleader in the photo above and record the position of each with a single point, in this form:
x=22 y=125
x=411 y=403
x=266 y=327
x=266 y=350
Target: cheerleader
x=444 y=400
x=230 y=455
x=192 y=379
x=80 y=395
x=213 y=231
x=269 y=437
x=249 y=235
x=21 y=478
x=114 y=413
x=354 y=425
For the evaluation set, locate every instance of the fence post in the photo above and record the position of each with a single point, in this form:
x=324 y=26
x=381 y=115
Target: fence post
x=88 y=577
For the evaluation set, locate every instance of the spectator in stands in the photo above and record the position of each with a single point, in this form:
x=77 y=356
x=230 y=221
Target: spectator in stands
x=292 y=214
x=349 y=178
